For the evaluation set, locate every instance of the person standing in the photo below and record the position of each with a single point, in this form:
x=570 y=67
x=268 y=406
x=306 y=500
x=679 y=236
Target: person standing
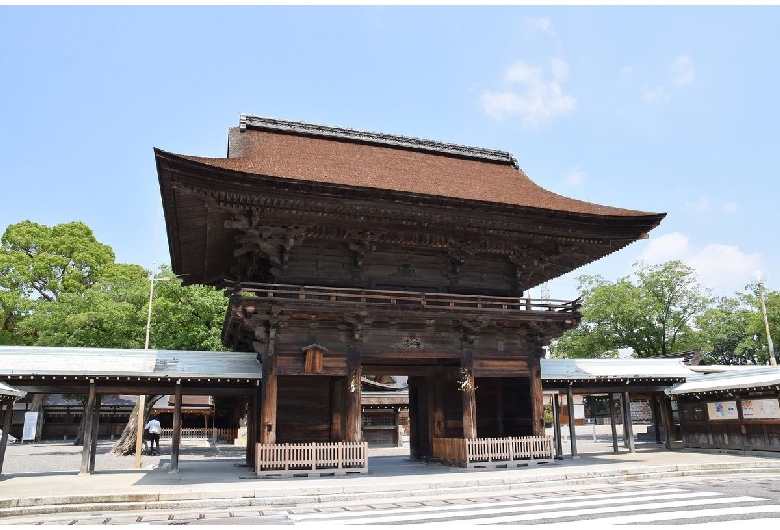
x=154 y=428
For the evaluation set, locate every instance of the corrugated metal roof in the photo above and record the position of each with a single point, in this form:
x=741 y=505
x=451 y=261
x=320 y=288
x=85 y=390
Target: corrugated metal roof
x=615 y=369
x=739 y=378
x=35 y=360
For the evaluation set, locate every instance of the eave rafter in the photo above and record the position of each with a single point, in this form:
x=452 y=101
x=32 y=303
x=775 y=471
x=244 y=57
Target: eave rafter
x=556 y=228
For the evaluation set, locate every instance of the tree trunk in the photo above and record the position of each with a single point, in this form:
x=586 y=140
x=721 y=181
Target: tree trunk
x=79 y=440
x=37 y=406
x=125 y=445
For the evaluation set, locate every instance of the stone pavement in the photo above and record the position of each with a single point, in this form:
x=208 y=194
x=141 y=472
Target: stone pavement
x=44 y=478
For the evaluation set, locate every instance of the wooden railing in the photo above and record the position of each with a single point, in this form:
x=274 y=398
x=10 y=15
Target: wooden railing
x=195 y=433
x=285 y=460
x=494 y=452
x=400 y=298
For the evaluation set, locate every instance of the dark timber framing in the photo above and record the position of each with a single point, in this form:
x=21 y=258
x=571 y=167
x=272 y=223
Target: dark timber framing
x=97 y=372
x=620 y=380
x=350 y=253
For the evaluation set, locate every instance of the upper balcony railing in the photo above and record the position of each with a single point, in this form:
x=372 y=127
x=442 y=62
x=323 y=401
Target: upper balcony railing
x=405 y=299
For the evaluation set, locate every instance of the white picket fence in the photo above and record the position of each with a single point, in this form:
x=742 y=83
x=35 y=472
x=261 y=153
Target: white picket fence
x=286 y=460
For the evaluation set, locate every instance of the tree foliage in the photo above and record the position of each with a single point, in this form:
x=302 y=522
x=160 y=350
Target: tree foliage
x=59 y=286
x=733 y=330
x=653 y=314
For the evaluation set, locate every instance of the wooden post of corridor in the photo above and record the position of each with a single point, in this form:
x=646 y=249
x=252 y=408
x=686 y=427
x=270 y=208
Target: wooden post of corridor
x=354 y=415
x=469 y=400
x=88 y=425
x=176 y=438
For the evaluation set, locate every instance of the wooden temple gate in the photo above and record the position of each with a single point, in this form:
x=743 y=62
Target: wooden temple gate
x=348 y=253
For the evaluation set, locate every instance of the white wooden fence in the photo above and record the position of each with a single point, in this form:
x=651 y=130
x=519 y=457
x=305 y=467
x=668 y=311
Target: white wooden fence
x=494 y=452
x=286 y=460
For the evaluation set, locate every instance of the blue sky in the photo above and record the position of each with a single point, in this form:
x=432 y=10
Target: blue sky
x=661 y=109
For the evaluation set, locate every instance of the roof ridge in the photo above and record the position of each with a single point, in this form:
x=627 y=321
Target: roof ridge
x=326 y=131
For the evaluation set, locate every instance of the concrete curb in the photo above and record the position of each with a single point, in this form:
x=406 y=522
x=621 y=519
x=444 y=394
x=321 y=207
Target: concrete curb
x=320 y=495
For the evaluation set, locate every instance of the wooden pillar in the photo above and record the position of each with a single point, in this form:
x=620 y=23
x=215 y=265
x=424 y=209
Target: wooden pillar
x=87 y=444
x=256 y=426
x=435 y=408
x=251 y=420
x=657 y=418
x=336 y=413
x=537 y=396
x=95 y=429
x=399 y=439
x=666 y=419
x=176 y=440
x=268 y=401
x=469 y=398
x=139 y=433
x=8 y=412
x=414 y=421
x=629 y=432
x=612 y=418
x=572 y=435
x=557 y=427
x=354 y=414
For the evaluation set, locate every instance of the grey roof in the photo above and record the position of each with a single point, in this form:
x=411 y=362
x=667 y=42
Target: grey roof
x=613 y=369
x=35 y=360
x=7 y=391
x=735 y=378
x=341 y=133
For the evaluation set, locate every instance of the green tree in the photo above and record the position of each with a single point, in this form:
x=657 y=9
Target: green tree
x=733 y=329
x=38 y=264
x=109 y=314
x=652 y=315
x=186 y=317
x=59 y=286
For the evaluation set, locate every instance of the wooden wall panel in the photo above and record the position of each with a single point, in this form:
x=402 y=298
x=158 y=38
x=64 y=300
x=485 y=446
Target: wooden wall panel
x=295 y=364
x=303 y=413
x=496 y=366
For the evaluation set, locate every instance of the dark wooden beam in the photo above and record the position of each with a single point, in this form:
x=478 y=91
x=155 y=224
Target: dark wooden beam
x=354 y=420
x=176 y=439
x=572 y=434
x=629 y=435
x=95 y=429
x=88 y=426
x=612 y=418
x=8 y=410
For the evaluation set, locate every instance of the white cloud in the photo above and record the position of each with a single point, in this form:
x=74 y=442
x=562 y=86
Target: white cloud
x=627 y=71
x=542 y=24
x=702 y=204
x=682 y=71
x=655 y=95
x=575 y=177
x=730 y=207
x=538 y=99
x=724 y=268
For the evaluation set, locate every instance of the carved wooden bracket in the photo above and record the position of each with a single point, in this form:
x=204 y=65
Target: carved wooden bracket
x=360 y=243
x=357 y=321
x=471 y=328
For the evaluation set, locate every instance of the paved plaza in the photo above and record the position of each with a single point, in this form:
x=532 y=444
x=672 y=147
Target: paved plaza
x=44 y=477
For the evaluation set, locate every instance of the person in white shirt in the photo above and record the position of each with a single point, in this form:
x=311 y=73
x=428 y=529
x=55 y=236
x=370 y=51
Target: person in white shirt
x=154 y=428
